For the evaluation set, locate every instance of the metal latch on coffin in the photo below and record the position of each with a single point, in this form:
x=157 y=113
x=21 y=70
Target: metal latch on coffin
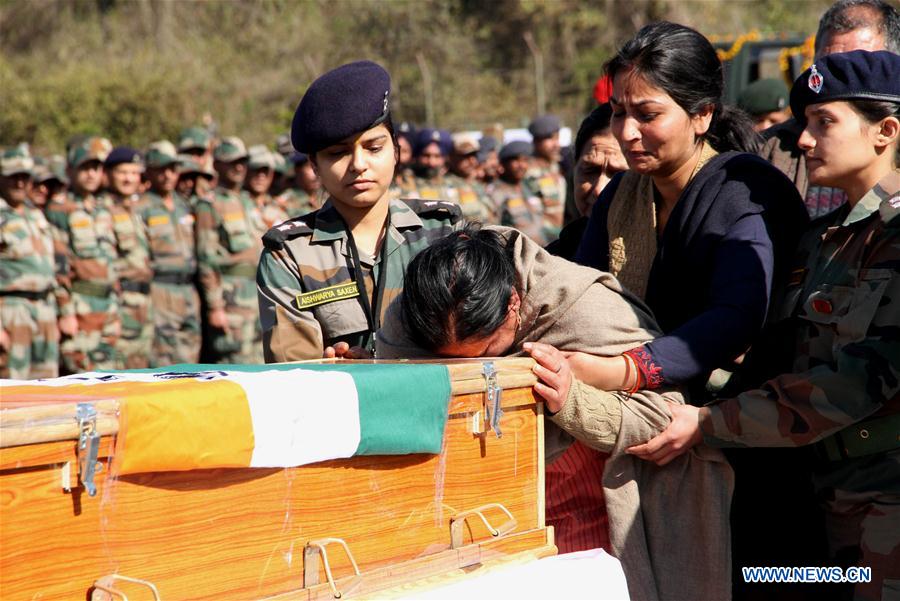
x=315 y=549
x=458 y=521
x=492 y=393
x=88 y=446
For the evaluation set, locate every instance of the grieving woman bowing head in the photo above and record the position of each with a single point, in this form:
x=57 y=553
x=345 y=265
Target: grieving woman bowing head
x=494 y=292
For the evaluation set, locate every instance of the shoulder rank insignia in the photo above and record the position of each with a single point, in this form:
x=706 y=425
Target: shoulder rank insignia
x=307 y=300
x=275 y=238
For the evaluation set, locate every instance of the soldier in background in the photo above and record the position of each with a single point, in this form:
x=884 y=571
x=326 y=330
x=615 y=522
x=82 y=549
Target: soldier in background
x=49 y=181
x=432 y=148
x=488 y=159
x=124 y=167
x=29 y=335
x=229 y=242
x=766 y=101
x=516 y=205
x=544 y=175
x=195 y=177
x=260 y=175
x=303 y=195
x=470 y=193
x=169 y=223
x=86 y=254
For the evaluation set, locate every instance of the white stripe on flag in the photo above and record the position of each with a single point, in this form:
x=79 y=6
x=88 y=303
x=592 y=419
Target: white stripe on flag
x=301 y=416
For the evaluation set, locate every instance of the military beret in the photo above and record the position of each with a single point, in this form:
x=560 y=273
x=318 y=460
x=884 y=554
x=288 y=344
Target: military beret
x=230 y=149
x=518 y=148
x=544 y=126
x=122 y=154
x=345 y=101
x=16 y=159
x=856 y=75
x=161 y=154
x=259 y=157
x=488 y=145
x=764 y=96
x=427 y=136
x=88 y=148
x=193 y=138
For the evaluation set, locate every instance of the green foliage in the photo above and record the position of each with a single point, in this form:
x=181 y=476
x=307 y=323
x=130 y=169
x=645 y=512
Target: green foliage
x=140 y=70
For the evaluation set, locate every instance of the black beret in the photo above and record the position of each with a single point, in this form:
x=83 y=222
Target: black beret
x=122 y=154
x=345 y=101
x=856 y=75
x=544 y=126
x=427 y=135
x=515 y=149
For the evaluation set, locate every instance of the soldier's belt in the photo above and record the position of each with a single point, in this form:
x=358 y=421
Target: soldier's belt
x=180 y=279
x=875 y=435
x=132 y=286
x=92 y=289
x=242 y=270
x=28 y=294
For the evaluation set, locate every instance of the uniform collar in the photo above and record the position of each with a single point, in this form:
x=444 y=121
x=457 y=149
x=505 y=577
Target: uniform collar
x=884 y=192
x=330 y=226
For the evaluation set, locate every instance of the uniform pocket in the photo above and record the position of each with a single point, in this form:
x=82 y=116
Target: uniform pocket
x=341 y=318
x=236 y=235
x=15 y=240
x=847 y=310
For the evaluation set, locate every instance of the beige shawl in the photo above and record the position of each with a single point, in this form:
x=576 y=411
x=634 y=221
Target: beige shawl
x=631 y=226
x=668 y=525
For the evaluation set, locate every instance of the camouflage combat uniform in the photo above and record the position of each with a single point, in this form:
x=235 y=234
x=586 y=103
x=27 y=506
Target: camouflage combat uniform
x=435 y=188
x=842 y=307
x=550 y=185
x=135 y=273
x=176 y=303
x=83 y=235
x=404 y=184
x=473 y=200
x=308 y=297
x=517 y=206
x=229 y=242
x=28 y=291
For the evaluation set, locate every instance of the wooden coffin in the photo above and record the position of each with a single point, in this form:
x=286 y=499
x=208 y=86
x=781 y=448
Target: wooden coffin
x=246 y=533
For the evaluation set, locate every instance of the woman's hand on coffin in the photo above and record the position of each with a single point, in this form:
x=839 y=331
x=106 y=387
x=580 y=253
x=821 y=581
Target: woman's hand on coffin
x=553 y=372
x=342 y=350
x=678 y=438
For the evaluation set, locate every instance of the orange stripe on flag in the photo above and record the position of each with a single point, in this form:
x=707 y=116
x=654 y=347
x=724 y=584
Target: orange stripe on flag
x=183 y=425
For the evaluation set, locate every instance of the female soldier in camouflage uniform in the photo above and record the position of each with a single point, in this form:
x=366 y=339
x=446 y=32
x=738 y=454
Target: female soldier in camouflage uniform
x=326 y=278
x=841 y=309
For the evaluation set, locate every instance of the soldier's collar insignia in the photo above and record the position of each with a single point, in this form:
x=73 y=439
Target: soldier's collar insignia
x=815 y=80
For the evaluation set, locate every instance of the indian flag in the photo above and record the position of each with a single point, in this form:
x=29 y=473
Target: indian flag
x=197 y=417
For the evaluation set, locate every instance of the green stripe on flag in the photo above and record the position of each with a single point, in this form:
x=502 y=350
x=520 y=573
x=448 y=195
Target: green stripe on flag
x=402 y=407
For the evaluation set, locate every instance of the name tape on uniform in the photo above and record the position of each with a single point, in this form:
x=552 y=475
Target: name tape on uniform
x=327 y=295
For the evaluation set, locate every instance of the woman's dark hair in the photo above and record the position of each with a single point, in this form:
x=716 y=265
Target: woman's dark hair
x=680 y=61
x=458 y=288
x=594 y=123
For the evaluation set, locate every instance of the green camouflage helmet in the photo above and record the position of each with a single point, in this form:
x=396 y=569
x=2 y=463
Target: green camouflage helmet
x=16 y=159
x=161 y=154
x=193 y=138
x=91 y=148
x=260 y=158
x=189 y=164
x=282 y=166
x=230 y=149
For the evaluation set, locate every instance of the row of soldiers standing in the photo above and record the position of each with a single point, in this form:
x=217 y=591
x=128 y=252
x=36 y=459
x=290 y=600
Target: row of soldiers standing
x=116 y=259
x=130 y=261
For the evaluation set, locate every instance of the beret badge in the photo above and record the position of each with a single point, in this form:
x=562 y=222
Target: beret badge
x=815 y=80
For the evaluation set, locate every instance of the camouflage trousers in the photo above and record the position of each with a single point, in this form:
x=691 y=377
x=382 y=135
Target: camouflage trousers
x=33 y=350
x=99 y=327
x=176 y=324
x=136 y=342
x=241 y=341
x=861 y=499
